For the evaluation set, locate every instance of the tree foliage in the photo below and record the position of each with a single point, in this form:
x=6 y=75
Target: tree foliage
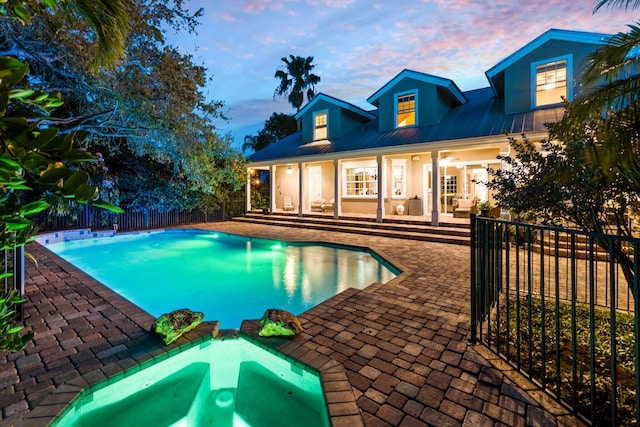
x=576 y=182
x=36 y=160
x=150 y=108
x=296 y=80
x=276 y=127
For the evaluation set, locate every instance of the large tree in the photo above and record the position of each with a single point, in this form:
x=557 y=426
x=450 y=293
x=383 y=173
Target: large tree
x=35 y=156
x=296 y=80
x=151 y=106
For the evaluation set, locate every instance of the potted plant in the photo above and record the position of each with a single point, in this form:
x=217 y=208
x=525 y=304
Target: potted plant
x=485 y=207
x=522 y=230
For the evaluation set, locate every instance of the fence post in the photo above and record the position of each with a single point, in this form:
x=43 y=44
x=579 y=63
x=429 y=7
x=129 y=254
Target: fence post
x=474 y=296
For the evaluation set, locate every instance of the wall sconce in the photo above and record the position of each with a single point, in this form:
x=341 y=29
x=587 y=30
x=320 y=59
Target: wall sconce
x=289 y=170
x=415 y=158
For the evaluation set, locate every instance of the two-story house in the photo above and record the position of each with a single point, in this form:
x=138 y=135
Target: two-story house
x=426 y=144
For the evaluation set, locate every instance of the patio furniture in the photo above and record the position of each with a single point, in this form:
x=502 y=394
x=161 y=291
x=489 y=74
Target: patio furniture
x=288 y=204
x=415 y=206
x=321 y=205
x=328 y=205
x=464 y=207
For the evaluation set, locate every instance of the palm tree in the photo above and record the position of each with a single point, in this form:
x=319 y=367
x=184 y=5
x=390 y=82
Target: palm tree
x=249 y=143
x=612 y=70
x=296 y=78
x=612 y=73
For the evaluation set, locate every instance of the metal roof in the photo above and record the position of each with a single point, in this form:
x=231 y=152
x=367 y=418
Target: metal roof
x=482 y=116
x=448 y=84
x=340 y=103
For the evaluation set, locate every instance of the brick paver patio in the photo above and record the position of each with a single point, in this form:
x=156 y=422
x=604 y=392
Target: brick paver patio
x=390 y=355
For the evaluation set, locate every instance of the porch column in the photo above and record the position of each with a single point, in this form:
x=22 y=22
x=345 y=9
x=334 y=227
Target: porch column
x=435 y=189
x=248 y=192
x=337 y=206
x=381 y=186
x=300 y=187
x=466 y=183
x=272 y=188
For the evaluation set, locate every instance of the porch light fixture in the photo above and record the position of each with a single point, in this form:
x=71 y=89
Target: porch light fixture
x=415 y=158
x=289 y=170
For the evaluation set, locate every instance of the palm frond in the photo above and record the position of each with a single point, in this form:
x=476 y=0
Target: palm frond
x=110 y=21
x=626 y=4
x=616 y=59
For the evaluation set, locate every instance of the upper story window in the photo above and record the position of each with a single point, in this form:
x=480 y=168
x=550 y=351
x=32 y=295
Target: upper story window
x=406 y=109
x=320 y=125
x=552 y=82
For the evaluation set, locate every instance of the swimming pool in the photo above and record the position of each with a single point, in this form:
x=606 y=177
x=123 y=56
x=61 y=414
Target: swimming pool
x=221 y=383
x=229 y=278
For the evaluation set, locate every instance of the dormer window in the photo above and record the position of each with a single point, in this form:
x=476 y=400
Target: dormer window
x=405 y=109
x=552 y=82
x=320 y=125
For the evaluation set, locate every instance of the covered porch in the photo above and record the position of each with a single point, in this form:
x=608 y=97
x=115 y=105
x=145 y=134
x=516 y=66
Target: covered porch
x=422 y=186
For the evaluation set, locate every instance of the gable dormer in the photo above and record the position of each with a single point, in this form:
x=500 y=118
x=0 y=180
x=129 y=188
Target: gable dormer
x=414 y=99
x=543 y=72
x=326 y=118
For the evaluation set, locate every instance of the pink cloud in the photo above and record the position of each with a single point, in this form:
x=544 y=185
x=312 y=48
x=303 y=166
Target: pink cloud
x=229 y=17
x=336 y=4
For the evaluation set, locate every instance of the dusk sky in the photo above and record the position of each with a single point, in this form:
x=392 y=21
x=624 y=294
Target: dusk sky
x=360 y=45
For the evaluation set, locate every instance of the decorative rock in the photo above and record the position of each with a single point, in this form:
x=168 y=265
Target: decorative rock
x=279 y=323
x=171 y=326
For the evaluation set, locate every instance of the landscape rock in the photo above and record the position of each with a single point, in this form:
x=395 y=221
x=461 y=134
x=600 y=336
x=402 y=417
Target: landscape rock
x=280 y=323
x=171 y=326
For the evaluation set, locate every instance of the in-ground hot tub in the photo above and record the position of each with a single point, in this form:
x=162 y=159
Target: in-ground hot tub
x=214 y=382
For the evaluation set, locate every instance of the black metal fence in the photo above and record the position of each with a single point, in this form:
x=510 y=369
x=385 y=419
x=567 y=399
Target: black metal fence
x=560 y=306
x=135 y=219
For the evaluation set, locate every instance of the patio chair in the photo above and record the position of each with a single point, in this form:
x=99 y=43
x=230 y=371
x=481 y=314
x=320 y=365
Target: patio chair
x=464 y=207
x=288 y=204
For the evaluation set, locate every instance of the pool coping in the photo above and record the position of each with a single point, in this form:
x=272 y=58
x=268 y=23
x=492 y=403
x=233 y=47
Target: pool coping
x=341 y=401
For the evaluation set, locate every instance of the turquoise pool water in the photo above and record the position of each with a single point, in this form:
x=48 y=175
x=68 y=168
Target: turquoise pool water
x=229 y=278
x=212 y=383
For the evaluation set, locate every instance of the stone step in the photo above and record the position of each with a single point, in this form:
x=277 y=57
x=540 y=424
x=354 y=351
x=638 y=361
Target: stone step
x=393 y=225
x=452 y=235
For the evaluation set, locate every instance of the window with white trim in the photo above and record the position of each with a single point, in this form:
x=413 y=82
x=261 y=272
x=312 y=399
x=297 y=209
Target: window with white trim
x=551 y=82
x=406 y=109
x=398 y=177
x=361 y=181
x=449 y=184
x=320 y=125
